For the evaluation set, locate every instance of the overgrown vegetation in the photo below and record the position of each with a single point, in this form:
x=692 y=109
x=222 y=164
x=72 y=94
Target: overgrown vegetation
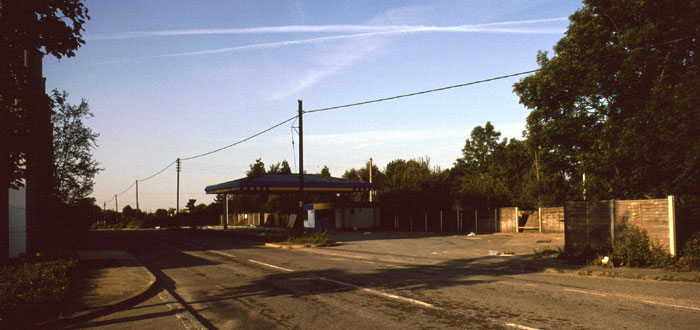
x=32 y=290
x=317 y=238
x=635 y=249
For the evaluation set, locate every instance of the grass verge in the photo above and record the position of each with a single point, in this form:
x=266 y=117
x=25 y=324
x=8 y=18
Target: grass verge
x=32 y=290
x=316 y=238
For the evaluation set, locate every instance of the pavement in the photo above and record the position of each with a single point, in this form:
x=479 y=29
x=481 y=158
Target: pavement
x=110 y=280
x=106 y=281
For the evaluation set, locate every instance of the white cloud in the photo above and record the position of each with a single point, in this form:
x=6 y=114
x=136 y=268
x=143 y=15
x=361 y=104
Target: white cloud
x=359 y=30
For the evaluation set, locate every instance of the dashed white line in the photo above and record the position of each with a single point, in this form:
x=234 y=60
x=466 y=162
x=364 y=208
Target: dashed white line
x=586 y=292
x=519 y=326
x=670 y=305
x=357 y=287
x=186 y=318
x=385 y=294
x=271 y=266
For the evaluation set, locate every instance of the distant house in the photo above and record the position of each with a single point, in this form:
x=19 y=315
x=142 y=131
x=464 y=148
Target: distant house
x=342 y=216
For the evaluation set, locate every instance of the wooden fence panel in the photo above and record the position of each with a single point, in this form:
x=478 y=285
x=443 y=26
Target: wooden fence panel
x=552 y=219
x=507 y=220
x=594 y=225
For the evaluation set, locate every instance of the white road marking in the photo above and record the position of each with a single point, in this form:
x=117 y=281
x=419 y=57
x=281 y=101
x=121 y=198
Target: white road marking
x=670 y=305
x=633 y=298
x=514 y=325
x=372 y=291
x=186 y=318
x=381 y=293
x=222 y=253
x=271 y=266
x=586 y=292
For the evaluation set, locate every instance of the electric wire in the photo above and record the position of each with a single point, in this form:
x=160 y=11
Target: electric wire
x=421 y=92
x=241 y=141
x=127 y=189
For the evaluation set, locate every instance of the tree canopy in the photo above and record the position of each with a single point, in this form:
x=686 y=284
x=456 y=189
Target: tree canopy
x=618 y=101
x=48 y=26
x=72 y=145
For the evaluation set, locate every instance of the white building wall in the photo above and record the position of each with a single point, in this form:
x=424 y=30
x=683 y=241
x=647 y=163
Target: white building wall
x=18 y=221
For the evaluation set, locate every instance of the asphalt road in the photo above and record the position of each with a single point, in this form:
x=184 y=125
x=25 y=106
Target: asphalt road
x=412 y=283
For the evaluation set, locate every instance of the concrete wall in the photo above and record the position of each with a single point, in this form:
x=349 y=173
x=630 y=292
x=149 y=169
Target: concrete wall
x=18 y=222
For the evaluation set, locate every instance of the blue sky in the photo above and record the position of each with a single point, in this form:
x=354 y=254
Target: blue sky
x=169 y=79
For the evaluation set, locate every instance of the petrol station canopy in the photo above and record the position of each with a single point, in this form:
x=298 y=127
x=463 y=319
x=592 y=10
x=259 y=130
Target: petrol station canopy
x=288 y=183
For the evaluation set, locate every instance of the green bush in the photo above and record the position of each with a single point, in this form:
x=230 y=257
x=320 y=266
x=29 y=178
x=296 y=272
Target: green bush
x=690 y=256
x=633 y=249
x=33 y=290
x=319 y=238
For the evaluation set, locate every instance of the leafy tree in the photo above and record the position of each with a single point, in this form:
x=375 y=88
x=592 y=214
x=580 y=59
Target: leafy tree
x=362 y=175
x=280 y=168
x=480 y=177
x=414 y=185
x=325 y=172
x=618 y=101
x=48 y=26
x=256 y=170
x=75 y=168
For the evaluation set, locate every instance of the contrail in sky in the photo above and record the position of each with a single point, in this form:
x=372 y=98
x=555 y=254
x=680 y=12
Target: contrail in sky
x=361 y=29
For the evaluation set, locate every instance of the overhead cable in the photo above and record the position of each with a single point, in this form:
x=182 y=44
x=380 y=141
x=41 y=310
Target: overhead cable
x=241 y=141
x=159 y=172
x=422 y=92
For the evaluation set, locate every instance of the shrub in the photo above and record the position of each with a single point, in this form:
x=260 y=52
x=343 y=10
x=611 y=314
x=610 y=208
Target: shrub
x=34 y=292
x=690 y=256
x=633 y=249
x=319 y=238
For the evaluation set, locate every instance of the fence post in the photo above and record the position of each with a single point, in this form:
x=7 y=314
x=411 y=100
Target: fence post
x=672 y=225
x=588 y=228
x=495 y=222
x=426 y=221
x=612 y=221
x=476 y=222
x=517 y=225
x=539 y=218
x=441 y=221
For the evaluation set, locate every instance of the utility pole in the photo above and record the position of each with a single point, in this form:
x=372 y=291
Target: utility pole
x=299 y=224
x=177 y=203
x=370 y=179
x=104 y=212
x=116 y=204
x=137 y=194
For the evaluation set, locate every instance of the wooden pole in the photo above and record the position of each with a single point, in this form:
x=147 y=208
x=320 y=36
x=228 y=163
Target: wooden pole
x=137 y=194
x=177 y=194
x=299 y=224
x=370 y=178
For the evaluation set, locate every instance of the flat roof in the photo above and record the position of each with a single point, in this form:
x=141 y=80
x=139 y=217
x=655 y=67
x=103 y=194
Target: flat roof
x=288 y=183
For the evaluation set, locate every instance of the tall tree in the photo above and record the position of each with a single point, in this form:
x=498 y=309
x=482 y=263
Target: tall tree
x=49 y=26
x=73 y=142
x=256 y=170
x=618 y=101
x=480 y=183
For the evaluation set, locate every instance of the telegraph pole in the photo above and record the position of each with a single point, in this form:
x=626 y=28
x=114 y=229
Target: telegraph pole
x=370 y=179
x=299 y=224
x=116 y=204
x=177 y=203
x=137 y=194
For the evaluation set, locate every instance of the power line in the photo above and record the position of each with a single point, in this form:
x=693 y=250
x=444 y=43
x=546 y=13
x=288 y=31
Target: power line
x=421 y=92
x=127 y=189
x=241 y=141
x=159 y=172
